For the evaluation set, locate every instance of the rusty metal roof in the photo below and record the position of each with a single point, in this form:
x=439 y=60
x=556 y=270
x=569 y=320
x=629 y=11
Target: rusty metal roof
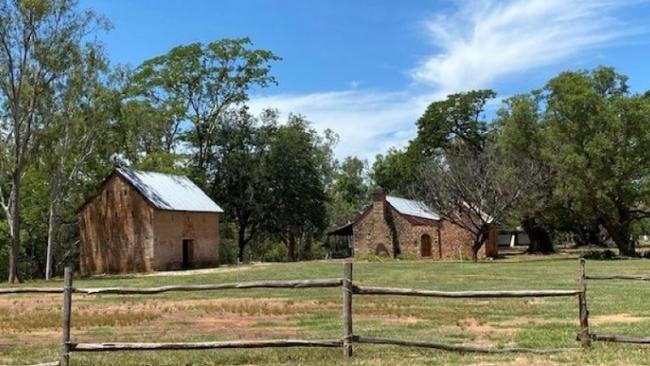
x=412 y=208
x=170 y=192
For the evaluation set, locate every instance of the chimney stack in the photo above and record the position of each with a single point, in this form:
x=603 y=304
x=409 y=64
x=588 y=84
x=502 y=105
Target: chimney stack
x=378 y=195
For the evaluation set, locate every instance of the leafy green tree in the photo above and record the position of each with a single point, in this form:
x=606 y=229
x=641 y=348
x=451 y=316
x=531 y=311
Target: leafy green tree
x=196 y=84
x=396 y=171
x=351 y=185
x=521 y=136
x=238 y=182
x=598 y=138
x=458 y=117
x=76 y=122
x=296 y=197
x=40 y=40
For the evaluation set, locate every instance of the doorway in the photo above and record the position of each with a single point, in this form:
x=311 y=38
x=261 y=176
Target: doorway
x=425 y=246
x=188 y=245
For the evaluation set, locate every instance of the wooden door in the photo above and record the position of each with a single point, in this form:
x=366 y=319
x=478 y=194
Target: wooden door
x=425 y=246
x=187 y=253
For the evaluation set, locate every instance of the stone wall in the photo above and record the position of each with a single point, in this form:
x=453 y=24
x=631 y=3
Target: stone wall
x=121 y=232
x=172 y=227
x=116 y=229
x=381 y=230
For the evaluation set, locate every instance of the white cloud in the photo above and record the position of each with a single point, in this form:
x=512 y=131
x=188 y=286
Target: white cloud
x=489 y=40
x=368 y=122
x=483 y=42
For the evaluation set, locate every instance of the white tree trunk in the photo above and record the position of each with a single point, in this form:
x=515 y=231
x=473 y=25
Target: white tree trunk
x=50 y=242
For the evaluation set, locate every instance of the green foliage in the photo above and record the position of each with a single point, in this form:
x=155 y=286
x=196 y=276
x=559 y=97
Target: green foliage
x=598 y=135
x=196 y=84
x=350 y=190
x=396 y=172
x=458 y=117
x=297 y=197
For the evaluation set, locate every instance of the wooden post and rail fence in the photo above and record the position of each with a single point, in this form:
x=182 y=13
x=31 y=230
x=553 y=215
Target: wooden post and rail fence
x=349 y=289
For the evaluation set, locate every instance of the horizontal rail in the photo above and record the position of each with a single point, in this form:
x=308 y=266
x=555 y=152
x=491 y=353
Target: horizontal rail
x=453 y=347
x=461 y=294
x=31 y=290
x=277 y=343
x=619 y=277
x=620 y=339
x=335 y=282
x=53 y=363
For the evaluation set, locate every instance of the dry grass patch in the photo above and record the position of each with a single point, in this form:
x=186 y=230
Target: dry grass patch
x=519 y=361
x=615 y=318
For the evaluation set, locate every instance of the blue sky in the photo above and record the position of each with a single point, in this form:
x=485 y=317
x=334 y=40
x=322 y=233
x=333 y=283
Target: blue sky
x=368 y=68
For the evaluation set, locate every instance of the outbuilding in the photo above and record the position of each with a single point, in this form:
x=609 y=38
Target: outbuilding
x=144 y=221
x=395 y=226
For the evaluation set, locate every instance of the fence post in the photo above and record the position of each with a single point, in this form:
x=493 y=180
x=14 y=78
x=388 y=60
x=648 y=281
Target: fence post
x=67 y=309
x=347 y=309
x=583 y=336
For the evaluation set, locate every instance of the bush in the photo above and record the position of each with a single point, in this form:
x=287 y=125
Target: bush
x=600 y=255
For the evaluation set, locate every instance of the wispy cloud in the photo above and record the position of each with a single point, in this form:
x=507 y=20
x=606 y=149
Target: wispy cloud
x=488 y=40
x=480 y=44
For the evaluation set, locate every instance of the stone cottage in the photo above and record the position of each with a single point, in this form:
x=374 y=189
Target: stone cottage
x=395 y=226
x=143 y=221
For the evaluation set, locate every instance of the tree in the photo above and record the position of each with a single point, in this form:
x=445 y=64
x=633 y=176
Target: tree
x=350 y=186
x=39 y=40
x=296 y=197
x=474 y=189
x=76 y=122
x=196 y=84
x=598 y=138
x=396 y=171
x=238 y=183
x=458 y=117
x=520 y=135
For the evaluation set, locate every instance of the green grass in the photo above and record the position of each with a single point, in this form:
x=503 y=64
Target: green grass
x=30 y=325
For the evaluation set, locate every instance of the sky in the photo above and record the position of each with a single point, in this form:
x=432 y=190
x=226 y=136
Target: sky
x=367 y=69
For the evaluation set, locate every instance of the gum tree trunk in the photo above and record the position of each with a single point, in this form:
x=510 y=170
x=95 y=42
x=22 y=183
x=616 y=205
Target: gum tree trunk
x=540 y=239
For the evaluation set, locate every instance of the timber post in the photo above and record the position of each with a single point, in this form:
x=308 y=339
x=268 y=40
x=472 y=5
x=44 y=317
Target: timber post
x=346 y=287
x=67 y=312
x=583 y=336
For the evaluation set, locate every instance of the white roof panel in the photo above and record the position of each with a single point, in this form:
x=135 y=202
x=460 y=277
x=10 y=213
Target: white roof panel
x=170 y=192
x=412 y=208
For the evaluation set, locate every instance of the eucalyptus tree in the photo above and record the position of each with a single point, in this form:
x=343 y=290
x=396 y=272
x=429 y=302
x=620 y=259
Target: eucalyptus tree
x=76 y=126
x=196 y=84
x=598 y=138
x=39 y=41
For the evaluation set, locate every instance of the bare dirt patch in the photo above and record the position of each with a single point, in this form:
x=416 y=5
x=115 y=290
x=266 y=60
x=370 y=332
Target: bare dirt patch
x=38 y=320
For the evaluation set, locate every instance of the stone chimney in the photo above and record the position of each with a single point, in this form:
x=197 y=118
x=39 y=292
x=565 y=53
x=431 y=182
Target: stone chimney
x=379 y=195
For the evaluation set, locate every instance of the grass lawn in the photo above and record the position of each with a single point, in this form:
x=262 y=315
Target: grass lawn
x=30 y=325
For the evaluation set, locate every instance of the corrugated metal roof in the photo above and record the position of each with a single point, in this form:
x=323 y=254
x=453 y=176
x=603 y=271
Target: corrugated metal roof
x=412 y=208
x=170 y=192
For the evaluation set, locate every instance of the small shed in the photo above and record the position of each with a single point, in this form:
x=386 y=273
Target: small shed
x=143 y=221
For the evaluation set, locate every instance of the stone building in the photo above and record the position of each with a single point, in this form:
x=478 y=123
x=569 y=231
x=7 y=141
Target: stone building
x=142 y=221
x=394 y=226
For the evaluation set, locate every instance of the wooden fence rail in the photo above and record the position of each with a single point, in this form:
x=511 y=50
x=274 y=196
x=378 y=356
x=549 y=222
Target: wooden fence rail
x=348 y=338
x=611 y=337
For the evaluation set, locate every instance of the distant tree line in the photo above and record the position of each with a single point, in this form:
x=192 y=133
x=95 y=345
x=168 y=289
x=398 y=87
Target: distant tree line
x=569 y=158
